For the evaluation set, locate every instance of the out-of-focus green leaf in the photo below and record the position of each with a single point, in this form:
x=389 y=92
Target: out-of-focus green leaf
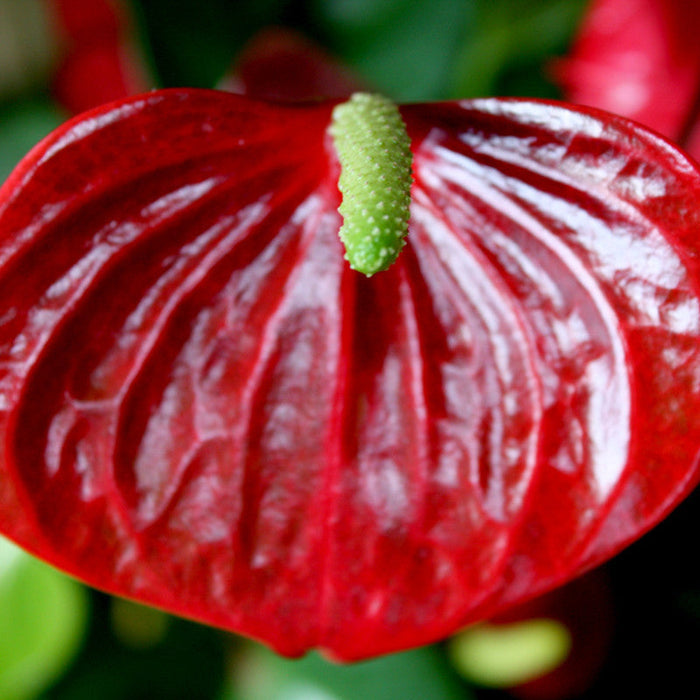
x=138 y=626
x=43 y=616
x=411 y=51
x=193 y=42
x=420 y=673
x=406 y=49
x=509 y=48
x=23 y=124
x=182 y=661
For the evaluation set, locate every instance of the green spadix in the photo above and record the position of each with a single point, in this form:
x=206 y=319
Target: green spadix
x=375 y=157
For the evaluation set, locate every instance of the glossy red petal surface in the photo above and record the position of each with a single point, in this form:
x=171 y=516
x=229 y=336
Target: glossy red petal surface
x=640 y=59
x=203 y=408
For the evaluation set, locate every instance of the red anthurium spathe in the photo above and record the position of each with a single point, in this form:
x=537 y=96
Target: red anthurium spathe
x=202 y=407
x=641 y=59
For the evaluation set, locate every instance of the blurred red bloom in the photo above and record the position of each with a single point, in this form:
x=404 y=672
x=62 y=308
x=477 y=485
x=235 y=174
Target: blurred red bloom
x=99 y=59
x=640 y=59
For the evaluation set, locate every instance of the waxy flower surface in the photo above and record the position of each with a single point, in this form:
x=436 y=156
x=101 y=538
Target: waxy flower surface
x=202 y=407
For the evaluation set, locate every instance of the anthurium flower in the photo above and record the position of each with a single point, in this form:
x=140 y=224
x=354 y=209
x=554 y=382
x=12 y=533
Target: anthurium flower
x=204 y=408
x=640 y=59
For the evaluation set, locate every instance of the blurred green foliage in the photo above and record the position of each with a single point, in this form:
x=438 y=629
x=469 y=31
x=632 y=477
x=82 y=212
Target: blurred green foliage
x=420 y=673
x=182 y=661
x=411 y=51
x=43 y=615
x=22 y=124
x=405 y=49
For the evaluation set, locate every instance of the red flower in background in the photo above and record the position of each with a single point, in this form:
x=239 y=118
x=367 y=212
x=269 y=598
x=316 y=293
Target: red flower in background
x=99 y=60
x=203 y=408
x=280 y=64
x=640 y=59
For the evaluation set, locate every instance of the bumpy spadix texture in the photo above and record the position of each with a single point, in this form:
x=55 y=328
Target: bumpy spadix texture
x=204 y=408
x=375 y=178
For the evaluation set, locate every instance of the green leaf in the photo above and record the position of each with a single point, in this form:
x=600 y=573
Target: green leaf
x=43 y=617
x=420 y=673
x=404 y=49
x=510 y=45
x=193 y=43
x=22 y=125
